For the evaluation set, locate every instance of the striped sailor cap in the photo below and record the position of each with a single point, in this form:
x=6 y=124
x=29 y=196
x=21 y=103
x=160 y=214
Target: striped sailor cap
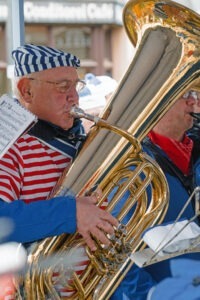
x=32 y=58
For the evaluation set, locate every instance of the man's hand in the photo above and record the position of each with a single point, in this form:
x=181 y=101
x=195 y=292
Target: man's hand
x=92 y=220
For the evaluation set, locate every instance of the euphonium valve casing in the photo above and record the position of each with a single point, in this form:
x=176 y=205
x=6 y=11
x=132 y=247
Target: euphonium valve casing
x=167 y=38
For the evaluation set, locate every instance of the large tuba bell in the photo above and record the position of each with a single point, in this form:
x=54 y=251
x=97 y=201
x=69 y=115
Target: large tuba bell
x=167 y=38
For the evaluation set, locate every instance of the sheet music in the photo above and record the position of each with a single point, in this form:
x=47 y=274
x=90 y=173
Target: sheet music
x=14 y=120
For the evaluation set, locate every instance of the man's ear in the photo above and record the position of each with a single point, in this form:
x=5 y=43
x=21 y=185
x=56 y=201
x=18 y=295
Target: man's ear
x=24 y=88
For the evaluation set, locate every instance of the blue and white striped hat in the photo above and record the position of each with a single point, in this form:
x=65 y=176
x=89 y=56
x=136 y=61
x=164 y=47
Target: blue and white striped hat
x=32 y=58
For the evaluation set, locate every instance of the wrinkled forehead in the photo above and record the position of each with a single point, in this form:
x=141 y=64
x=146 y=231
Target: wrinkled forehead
x=57 y=74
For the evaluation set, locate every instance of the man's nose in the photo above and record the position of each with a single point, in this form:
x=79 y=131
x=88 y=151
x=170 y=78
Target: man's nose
x=191 y=100
x=72 y=95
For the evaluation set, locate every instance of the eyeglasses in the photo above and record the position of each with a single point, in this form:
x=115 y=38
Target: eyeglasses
x=194 y=94
x=65 y=85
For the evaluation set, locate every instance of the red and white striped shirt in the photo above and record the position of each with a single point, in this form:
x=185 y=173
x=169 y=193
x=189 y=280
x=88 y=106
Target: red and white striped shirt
x=30 y=170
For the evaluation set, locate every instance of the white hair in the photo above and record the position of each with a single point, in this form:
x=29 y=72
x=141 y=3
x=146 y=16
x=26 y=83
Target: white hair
x=16 y=92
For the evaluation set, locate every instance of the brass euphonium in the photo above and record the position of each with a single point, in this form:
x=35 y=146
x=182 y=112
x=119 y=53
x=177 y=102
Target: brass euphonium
x=167 y=38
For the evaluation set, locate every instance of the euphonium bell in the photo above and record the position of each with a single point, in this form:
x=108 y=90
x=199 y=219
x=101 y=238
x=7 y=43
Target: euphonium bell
x=166 y=63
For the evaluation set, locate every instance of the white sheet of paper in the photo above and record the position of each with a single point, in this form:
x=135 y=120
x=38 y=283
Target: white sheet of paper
x=14 y=120
x=171 y=237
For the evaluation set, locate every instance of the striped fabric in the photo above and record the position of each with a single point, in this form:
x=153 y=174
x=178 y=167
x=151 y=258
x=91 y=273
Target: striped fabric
x=82 y=263
x=32 y=58
x=29 y=170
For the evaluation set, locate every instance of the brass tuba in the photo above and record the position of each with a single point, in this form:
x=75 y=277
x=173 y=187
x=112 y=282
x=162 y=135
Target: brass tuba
x=167 y=38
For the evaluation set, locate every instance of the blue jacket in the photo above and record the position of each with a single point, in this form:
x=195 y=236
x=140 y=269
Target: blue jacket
x=30 y=221
x=179 y=194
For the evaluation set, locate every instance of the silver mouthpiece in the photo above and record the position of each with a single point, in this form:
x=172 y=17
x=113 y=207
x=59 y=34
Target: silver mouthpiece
x=77 y=112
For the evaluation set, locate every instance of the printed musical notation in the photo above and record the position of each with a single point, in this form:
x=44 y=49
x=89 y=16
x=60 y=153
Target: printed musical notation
x=14 y=120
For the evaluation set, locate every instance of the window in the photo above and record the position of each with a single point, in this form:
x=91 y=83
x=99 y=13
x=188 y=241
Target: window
x=73 y=39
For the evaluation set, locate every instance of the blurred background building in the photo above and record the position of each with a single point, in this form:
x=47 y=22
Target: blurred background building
x=91 y=29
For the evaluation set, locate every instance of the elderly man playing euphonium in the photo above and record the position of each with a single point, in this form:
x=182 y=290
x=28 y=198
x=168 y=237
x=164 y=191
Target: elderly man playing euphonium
x=47 y=84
